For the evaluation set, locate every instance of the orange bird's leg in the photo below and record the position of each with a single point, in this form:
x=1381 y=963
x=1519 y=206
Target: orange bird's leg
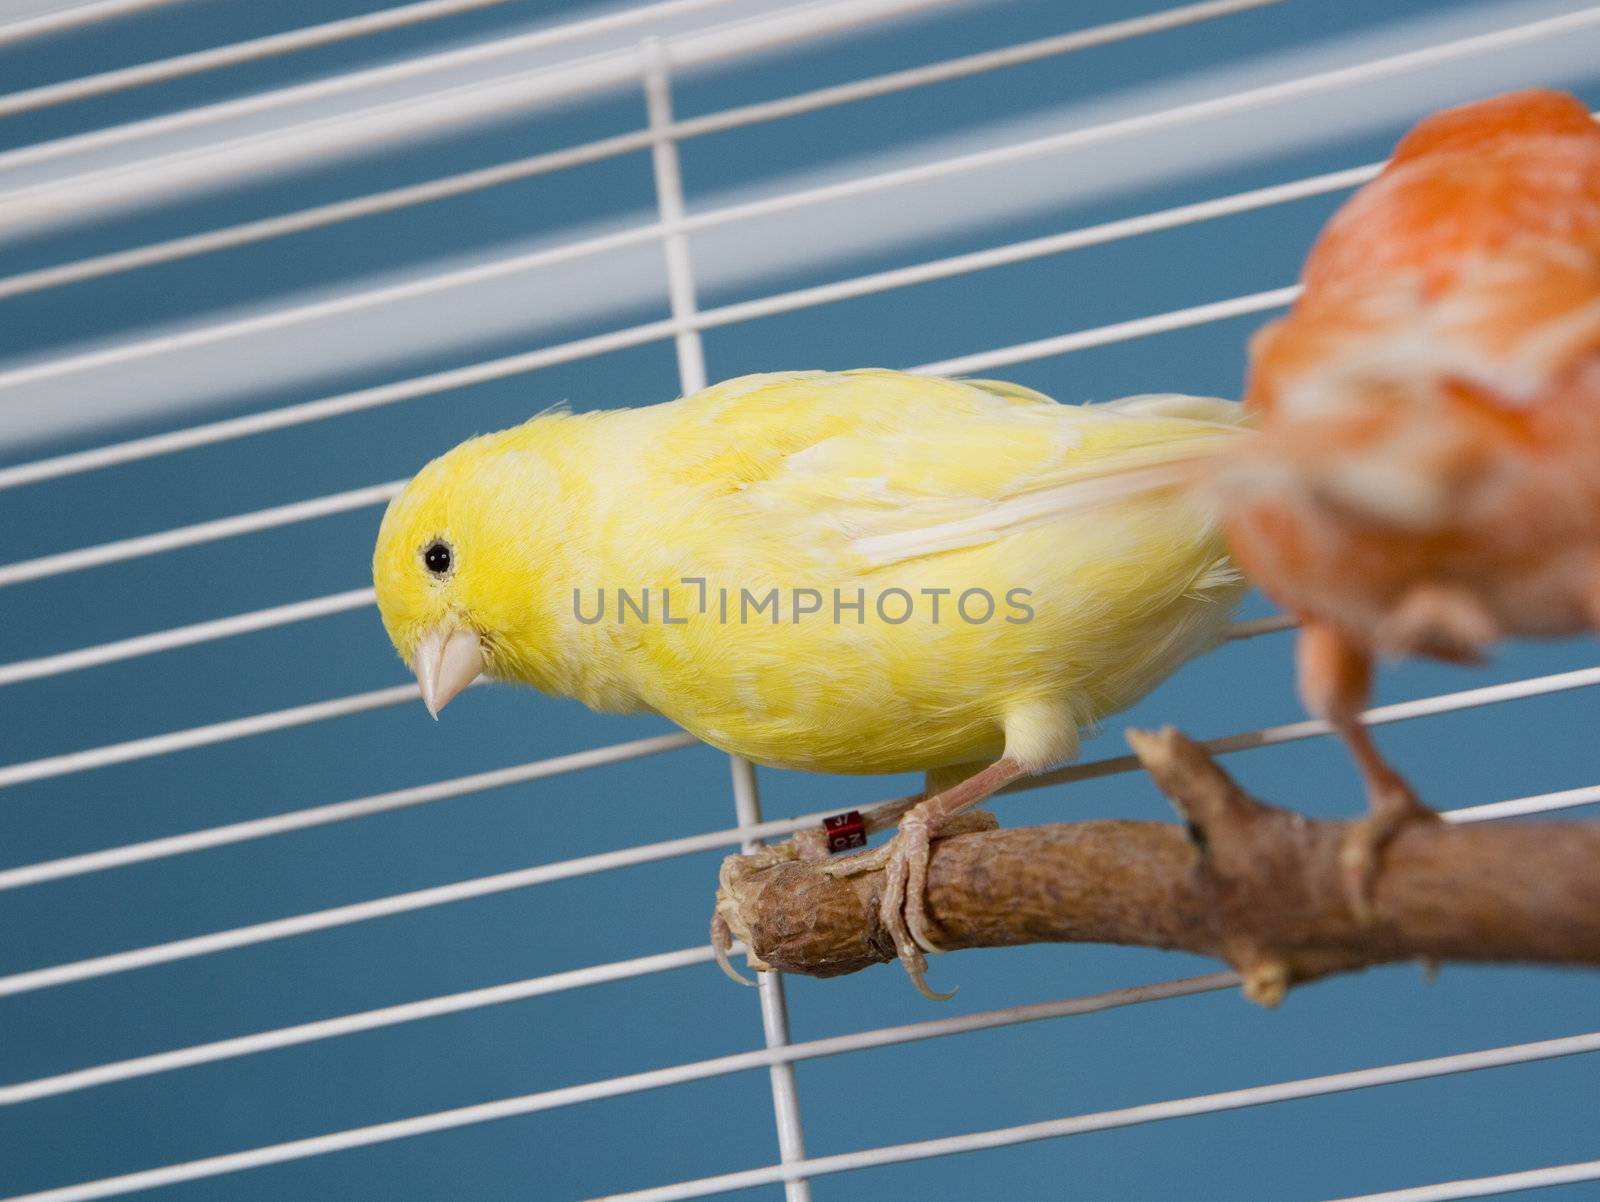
x=1335 y=676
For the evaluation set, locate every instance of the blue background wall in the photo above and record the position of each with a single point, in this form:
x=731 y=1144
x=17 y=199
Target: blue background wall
x=1489 y=1122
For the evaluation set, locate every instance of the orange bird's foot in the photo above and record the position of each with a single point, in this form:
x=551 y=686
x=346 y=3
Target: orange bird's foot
x=1393 y=808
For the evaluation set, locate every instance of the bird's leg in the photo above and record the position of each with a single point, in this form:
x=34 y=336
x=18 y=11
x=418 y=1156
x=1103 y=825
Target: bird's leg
x=811 y=845
x=905 y=861
x=1391 y=804
x=1335 y=681
x=886 y=815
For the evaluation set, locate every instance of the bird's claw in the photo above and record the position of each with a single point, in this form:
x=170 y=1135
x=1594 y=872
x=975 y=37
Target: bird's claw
x=721 y=945
x=726 y=920
x=902 y=909
x=1358 y=868
x=1363 y=845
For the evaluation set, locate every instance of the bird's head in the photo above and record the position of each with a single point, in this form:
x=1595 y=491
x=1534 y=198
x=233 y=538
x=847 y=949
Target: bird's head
x=450 y=568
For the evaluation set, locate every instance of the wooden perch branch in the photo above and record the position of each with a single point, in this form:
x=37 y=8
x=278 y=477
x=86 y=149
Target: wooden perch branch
x=1249 y=883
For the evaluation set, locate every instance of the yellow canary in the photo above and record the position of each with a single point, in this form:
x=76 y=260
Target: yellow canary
x=854 y=572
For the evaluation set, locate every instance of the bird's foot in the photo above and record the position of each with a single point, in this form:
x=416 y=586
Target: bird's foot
x=902 y=909
x=1362 y=848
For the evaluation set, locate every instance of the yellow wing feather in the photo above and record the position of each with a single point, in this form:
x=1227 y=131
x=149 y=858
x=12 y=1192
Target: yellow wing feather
x=874 y=481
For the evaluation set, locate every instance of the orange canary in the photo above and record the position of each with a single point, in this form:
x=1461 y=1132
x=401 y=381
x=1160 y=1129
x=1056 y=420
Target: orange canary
x=1427 y=475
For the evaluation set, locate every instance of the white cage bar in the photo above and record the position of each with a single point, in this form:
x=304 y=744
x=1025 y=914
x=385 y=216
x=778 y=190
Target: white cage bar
x=692 y=378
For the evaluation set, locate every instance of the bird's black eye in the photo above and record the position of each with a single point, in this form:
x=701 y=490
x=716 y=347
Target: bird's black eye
x=437 y=559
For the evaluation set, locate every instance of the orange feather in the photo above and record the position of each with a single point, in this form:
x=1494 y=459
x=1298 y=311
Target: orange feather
x=1430 y=409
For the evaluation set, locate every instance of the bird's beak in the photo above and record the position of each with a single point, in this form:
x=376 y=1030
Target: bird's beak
x=446 y=661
